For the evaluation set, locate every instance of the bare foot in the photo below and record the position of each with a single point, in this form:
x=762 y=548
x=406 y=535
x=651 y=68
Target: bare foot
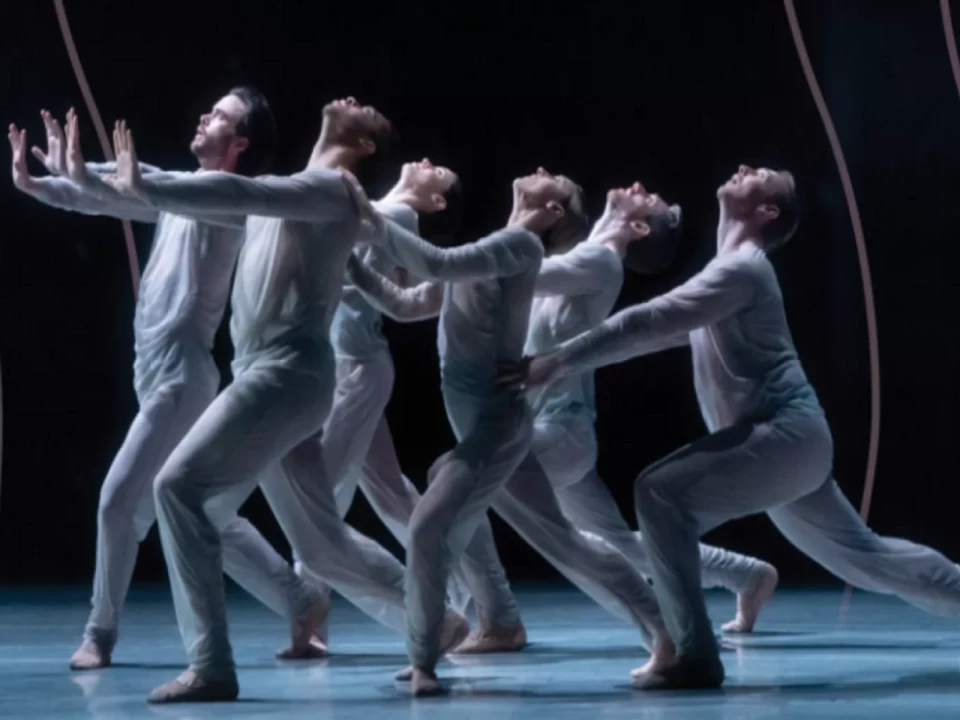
x=663 y=656
x=89 y=656
x=424 y=683
x=191 y=687
x=752 y=599
x=684 y=674
x=455 y=631
x=314 y=649
x=493 y=640
x=305 y=643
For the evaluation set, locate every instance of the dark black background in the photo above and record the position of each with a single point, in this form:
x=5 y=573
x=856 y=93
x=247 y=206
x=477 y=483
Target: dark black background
x=675 y=94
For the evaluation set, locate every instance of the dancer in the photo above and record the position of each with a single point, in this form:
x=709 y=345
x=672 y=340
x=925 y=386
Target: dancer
x=300 y=231
x=357 y=445
x=483 y=323
x=769 y=448
x=182 y=299
x=364 y=366
x=575 y=291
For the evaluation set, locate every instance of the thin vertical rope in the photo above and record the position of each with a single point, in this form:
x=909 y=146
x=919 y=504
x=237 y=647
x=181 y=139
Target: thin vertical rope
x=101 y=133
x=868 y=301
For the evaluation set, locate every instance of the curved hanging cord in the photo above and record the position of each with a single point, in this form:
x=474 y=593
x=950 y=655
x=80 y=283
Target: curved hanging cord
x=951 y=41
x=1 y=427
x=101 y=133
x=873 y=345
x=108 y=153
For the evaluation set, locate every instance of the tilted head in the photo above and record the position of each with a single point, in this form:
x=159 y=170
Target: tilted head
x=763 y=199
x=238 y=134
x=561 y=197
x=425 y=185
x=436 y=193
x=361 y=128
x=646 y=229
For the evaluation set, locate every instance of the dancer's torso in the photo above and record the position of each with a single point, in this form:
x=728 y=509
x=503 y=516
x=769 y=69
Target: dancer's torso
x=554 y=319
x=357 y=329
x=288 y=285
x=483 y=325
x=746 y=367
x=183 y=295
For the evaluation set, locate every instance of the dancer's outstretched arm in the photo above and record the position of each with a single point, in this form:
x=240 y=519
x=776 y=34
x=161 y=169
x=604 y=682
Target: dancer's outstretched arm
x=308 y=196
x=420 y=302
x=65 y=194
x=98 y=186
x=584 y=271
x=58 y=190
x=724 y=287
x=506 y=252
x=54 y=159
x=62 y=193
x=110 y=168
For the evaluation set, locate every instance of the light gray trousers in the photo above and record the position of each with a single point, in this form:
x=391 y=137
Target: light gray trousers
x=560 y=475
x=494 y=435
x=168 y=409
x=781 y=467
x=533 y=503
x=358 y=451
x=265 y=427
x=592 y=509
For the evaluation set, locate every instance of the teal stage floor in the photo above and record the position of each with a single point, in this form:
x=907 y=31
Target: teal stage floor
x=887 y=660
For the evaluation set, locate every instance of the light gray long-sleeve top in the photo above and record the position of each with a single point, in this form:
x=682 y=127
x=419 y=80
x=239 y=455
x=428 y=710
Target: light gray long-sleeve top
x=357 y=330
x=300 y=230
x=186 y=282
x=575 y=291
x=745 y=366
x=487 y=296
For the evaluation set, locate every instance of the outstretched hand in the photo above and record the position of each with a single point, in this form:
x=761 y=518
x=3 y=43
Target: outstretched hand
x=368 y=213
x=513 y=376
x=529 y=373
x=543 y=370
x=128 y=180
x=76 y=168
x=21 y=175
x=55 y=158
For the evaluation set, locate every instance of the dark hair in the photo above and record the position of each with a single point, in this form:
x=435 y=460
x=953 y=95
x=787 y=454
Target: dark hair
x=654 y=253
x=385 y=137
x=260 y=129
x=573 y=226
x=776 y=232
x=374 y=169
x=441 y=228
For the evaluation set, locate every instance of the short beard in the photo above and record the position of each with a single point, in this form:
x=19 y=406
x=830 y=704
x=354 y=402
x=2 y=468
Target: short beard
x=206 y=149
